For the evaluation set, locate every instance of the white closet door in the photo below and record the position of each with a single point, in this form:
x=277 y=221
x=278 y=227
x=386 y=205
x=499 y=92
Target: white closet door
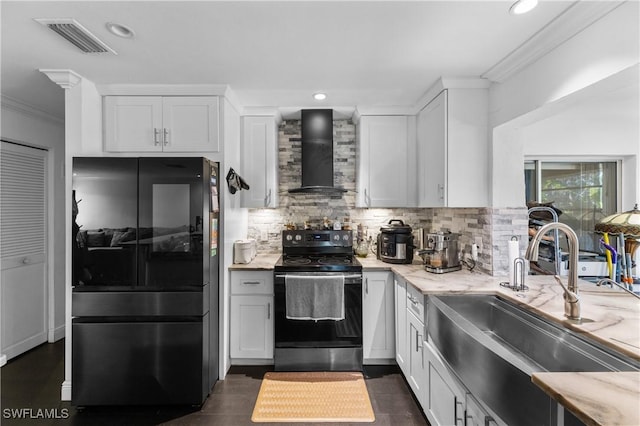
x=23 y=283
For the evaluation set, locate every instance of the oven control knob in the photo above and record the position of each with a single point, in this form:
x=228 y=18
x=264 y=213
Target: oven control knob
x=336 y=237
x=345 y=237
x=298 y=237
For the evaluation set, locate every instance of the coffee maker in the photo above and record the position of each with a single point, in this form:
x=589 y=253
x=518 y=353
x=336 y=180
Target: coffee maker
x=440 y=254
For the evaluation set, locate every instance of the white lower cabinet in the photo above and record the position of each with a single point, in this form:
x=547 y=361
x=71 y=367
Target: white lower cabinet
x=442 y=396
x=445 y=400
x=417 y=376
x=401 y=324
x=378 y=322
x=474 y=414
x=251 y=323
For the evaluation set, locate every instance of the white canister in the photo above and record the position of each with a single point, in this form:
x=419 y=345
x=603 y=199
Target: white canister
x=243 y=251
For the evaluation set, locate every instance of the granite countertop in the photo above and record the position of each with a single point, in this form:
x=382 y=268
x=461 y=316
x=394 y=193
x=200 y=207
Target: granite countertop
x=262 y=262
x=595 y=398
x=610 y=317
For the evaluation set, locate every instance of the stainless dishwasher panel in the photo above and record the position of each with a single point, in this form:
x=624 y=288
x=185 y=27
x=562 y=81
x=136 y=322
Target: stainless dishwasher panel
x=159 y=361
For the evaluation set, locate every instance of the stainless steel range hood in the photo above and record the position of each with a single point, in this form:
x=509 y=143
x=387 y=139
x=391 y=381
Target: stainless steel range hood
x=317 y=153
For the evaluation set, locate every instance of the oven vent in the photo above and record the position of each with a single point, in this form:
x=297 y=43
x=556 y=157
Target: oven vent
x=76 y=34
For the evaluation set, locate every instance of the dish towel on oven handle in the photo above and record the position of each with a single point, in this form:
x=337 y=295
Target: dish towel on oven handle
x=314 y=297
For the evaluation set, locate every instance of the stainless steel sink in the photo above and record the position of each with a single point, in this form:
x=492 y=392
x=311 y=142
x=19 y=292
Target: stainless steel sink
x=494 y=346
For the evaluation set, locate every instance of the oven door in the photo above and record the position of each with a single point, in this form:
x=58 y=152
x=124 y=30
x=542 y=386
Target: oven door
x=328 y=345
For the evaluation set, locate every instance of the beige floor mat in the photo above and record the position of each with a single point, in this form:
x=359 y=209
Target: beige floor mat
x=313 y=397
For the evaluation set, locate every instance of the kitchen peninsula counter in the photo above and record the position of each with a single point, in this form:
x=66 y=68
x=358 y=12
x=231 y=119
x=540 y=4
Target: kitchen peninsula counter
x=610 y=317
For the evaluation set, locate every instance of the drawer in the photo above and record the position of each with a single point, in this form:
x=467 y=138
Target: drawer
x=415 y=302
x=251 y=282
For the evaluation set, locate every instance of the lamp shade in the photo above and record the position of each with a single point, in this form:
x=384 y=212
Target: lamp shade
x=627 y=223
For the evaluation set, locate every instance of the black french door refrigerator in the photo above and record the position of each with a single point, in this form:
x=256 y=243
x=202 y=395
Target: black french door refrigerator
x=145 y=280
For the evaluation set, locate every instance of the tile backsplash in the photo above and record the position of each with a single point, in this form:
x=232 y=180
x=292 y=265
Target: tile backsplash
x=493 y=226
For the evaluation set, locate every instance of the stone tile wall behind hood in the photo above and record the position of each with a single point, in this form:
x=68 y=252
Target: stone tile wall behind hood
x=495 y=226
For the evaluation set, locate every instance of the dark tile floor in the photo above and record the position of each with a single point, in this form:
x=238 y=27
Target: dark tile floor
x=33 y=380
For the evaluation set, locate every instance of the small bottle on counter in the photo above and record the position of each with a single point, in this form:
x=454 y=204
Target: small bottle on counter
x=325 y=223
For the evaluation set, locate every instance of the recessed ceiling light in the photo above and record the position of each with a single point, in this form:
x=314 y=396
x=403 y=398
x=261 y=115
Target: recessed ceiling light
x=319 y=96
x=120 y=30
x=522 y=6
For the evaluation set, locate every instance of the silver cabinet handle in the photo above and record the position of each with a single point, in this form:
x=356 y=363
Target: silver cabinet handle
x=366 y=285
x=156 y=136
x=418 y=341
x=367 y=198
x=268 y=310
x=251 y=282
x=165 y=138
x=441 y=191
x=26 y=261
x=459 y=412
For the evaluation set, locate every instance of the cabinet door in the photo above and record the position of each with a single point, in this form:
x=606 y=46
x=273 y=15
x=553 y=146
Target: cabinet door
x=259 y=162
x=432 y=152
x=378 y=322
x=190 y=124
x=474 y=414
x=417 y=377
x=402 y=348
x=252 y=282
x=251 y=327
x=133 y=123
x=444 y=399
x=386 y=162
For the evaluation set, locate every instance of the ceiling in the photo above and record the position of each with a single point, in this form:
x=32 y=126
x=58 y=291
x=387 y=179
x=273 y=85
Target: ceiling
x=270 y=53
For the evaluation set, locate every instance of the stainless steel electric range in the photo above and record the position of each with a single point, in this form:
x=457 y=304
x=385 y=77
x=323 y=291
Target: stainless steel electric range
x=318 y=303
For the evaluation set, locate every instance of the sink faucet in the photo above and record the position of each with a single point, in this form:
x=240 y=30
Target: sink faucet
x=612 y=282
x=572 y=303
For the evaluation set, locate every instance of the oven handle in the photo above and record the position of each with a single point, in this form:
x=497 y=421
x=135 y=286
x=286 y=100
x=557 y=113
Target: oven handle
x=345 y=276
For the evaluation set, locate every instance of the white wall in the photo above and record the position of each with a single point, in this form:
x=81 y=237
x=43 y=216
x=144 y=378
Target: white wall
x=569 y=83
x=608 y=46
x=34 y=128
x=606 y=128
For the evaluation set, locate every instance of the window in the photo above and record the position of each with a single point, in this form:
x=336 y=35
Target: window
x=586 y=192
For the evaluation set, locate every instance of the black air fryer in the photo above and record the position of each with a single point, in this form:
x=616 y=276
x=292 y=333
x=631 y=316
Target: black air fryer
x=395 y=242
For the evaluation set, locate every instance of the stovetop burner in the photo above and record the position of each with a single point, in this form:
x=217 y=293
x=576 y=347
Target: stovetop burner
x=334 y=263
x=296 y=260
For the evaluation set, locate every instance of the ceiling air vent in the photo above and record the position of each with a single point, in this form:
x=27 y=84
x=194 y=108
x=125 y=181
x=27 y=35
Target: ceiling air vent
x=76 y=34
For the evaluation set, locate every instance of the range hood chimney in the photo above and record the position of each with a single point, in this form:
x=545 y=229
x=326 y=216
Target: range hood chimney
x=317 y=153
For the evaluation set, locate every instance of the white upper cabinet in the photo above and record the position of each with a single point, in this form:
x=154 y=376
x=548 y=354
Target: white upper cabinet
x=386 y=161
x=432 y=137
x=161 y=124
x=453 y=149
x=259 y=161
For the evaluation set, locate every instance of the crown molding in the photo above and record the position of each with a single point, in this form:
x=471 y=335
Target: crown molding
x=22 y=108
x=265 y=111
x=363 y=110
x=63 y=78
x=162 y=89
x=574 y=19
x=449 y=83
